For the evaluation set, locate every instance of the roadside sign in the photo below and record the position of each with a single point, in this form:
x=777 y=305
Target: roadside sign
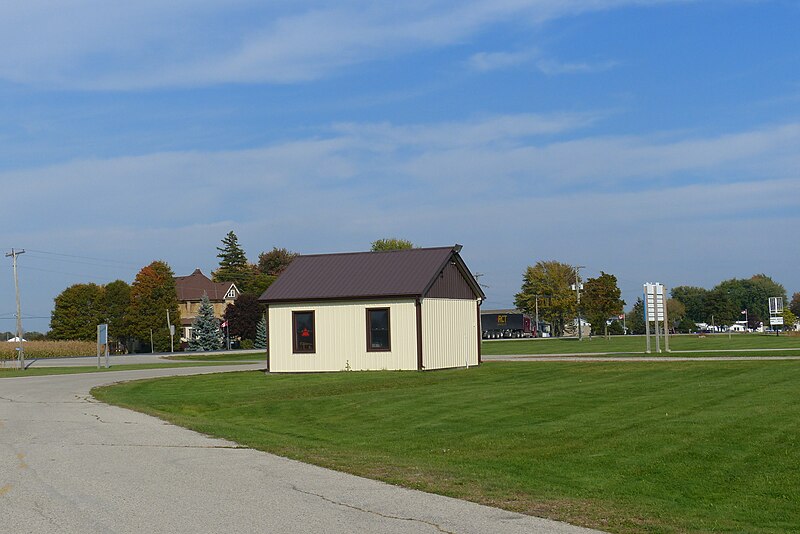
x=654 y=301
x=776 y=305
x=776 y=321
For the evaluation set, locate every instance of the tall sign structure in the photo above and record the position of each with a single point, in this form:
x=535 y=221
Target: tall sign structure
x=776 y=312
x=655 y=311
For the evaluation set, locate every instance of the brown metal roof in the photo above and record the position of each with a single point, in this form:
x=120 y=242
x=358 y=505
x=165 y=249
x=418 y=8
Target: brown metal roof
x=193 y=287
x=397 y=273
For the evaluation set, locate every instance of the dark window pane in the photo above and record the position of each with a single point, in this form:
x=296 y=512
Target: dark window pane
x=304 y=331
x=379 y=329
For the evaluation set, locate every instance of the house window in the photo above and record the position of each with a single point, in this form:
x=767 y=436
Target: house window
x=231 y=294
x=378 y=338
x=303 y=337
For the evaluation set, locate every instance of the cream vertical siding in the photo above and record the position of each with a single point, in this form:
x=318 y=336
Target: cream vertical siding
x=449 y=333
x=341 y=330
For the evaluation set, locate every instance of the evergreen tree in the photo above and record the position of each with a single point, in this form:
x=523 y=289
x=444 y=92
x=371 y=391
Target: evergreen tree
x=261 y=334
x=206 y=333
x=233 y=266
x=635 y=318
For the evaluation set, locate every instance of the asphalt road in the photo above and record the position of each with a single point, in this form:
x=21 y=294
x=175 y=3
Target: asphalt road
x=69 y=463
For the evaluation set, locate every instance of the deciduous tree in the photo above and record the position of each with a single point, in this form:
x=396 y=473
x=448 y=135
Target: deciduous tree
x=117 y=296
x=794 y=305
x=693 y=299
x=391 y=243
x=557 y=302
x=601 y=301
x=676 y=311
x=275 y=261
x=152 y=294
x=243 y=316
x=77 y=312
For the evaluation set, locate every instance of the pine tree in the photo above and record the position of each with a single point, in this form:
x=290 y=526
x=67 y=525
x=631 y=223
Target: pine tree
x=261 y=334
x=206 y=333
x=233 y=266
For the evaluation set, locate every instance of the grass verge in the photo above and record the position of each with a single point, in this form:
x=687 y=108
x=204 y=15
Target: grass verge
x=626 y=447
x=219 y=357
x=636 y=344
x=42 y=371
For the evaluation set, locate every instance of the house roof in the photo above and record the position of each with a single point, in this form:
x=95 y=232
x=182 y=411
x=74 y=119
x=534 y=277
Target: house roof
x=397 y=273
x=193 y=287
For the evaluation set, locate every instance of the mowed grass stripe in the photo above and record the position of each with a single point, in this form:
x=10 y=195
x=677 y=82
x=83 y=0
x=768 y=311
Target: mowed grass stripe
x=636 y=344
x=628 y=447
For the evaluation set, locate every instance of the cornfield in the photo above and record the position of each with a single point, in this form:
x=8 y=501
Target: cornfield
x=48 y=349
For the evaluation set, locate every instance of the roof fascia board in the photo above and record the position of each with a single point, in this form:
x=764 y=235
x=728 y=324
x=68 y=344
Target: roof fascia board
x=342 y=298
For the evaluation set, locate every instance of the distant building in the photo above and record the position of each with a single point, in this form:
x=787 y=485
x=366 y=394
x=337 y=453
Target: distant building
x=190 y=291
x=403 y=309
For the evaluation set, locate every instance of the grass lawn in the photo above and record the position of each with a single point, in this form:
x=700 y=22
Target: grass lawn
x=40 y=371
x=221 y=357
x=636 y=344
x=626 y=447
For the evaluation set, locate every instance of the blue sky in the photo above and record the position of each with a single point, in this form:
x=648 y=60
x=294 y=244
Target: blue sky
x=658 y=141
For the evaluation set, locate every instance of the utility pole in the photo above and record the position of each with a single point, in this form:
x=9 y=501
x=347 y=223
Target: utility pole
x=171 y=328
x=21 y=356
x=578 y=288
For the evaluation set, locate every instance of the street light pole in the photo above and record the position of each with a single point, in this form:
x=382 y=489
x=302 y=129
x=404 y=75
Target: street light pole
x=578 y=297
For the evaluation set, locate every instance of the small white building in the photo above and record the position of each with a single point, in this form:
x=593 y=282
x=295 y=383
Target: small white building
x=413 y=309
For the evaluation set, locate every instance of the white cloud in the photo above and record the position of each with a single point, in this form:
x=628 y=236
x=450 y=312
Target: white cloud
x=490 y=61
x=93 y=44
x=553 y=67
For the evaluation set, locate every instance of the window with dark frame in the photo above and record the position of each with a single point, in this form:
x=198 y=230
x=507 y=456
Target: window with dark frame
x=378 y=336
x=303 y=340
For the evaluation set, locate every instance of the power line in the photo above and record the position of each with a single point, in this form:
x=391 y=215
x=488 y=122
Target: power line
x=83 y=257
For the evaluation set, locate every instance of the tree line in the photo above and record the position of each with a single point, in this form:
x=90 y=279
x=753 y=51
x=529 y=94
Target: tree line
x=138 y=310
x=550 y=286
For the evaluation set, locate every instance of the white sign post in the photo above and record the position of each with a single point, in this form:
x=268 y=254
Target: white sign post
x=655 y=311
x=776 y=313
x=102 y=343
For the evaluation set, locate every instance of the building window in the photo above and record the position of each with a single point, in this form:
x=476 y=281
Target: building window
x=378 y=338
x=303 y=337
x=231 y=294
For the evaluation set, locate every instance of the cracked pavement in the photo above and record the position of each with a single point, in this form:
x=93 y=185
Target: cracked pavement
x=69 y=463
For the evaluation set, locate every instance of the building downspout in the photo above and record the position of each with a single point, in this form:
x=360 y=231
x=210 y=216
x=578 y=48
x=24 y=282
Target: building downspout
x=480 y=332
x=418 y=305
